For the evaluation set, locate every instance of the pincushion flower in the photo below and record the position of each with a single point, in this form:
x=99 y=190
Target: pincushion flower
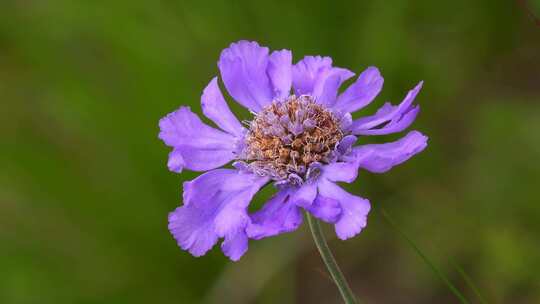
x=301 y=140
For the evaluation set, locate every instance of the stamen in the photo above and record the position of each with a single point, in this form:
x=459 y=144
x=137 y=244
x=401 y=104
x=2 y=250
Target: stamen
x=289 y=136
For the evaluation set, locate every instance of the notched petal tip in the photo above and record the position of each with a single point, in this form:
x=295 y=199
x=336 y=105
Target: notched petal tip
x=354 y=209
x=166 y=125
x=184 y=223
x=200 y=146
x=215 y=206
x=347 y=227
x=241 y=48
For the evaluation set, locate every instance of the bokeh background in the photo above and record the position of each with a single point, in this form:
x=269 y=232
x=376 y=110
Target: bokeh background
x=85 y=191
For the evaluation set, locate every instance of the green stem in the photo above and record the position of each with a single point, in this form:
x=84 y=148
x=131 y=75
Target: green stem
x=329 y=261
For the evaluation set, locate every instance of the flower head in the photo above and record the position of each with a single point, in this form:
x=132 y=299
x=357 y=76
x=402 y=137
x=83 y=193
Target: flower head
x=301 y=140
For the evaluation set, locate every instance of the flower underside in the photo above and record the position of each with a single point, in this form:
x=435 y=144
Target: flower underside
x=289 y=139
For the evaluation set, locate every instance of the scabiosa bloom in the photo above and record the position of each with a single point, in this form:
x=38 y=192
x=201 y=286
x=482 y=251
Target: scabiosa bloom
x=301 y=140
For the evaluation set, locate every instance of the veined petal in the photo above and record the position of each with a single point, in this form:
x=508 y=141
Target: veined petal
x=392 y=118
x=280 y=72
x=243 y=68
x=354 y=209
x=215 y=206
x=360 y=93
x=379 y=158
x=190 y=228
x=278 y=215
x=215 y=107
x=315 y=76
x=200 y=146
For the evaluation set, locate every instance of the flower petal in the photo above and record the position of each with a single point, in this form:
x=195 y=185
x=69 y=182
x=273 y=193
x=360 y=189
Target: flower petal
x=278 y=215
x=215 y=206
x=344 y=146
x=307 y=71
x=379 y=158
x=397 y=124
x=190 y=227
x=361 y=93
x=315 y=76
x=340 y=172
x=220 y=184
x=215 y=107
x=243 y=70
x=176 y=162
x=201 y=159
x=325 y=91
x=354 y=209
x=326 y=209
x=183 y=127
x=235 y=245
x=304 y=195
x=200 y=146
x=280 y=72
x=396 y=118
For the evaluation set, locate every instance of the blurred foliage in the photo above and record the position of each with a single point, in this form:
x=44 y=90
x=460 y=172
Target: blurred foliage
x=85 y=192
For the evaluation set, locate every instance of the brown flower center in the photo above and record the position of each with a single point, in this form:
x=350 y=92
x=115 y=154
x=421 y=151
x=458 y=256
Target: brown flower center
x=287 y=136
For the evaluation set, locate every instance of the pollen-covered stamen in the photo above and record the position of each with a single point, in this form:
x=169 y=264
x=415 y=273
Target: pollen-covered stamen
x=286 y=137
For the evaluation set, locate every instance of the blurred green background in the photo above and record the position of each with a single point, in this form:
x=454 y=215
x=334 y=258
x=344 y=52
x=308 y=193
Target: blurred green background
x=85 y=191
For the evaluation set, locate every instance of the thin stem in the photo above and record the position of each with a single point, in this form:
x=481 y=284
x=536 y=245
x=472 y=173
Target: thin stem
x=329 y=261
x=469 y=281
x=426 y=260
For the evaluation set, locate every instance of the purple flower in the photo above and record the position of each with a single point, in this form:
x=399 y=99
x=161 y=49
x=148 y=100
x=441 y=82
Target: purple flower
x=301 y=139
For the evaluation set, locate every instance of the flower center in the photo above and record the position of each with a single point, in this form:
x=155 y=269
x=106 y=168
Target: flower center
x=288 y=138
